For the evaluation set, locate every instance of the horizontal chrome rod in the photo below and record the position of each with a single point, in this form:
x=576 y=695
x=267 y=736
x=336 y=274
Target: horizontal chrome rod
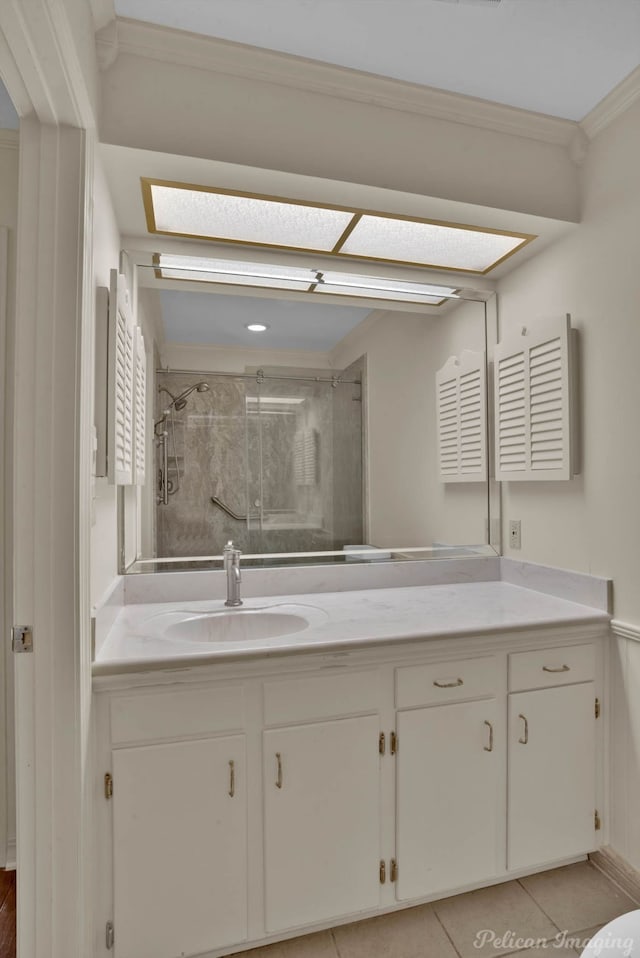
x=255 y=376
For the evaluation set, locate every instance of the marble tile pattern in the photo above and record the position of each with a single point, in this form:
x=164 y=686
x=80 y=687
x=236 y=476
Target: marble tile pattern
x=510 y=914
x=352 y=619
x=226 y=443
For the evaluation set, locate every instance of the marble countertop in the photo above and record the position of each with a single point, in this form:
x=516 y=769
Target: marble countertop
x=345 y=620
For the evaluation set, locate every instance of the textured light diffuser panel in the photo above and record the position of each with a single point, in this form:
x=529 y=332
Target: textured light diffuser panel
x=243 y=219
x=429 y=244
x=180 y=209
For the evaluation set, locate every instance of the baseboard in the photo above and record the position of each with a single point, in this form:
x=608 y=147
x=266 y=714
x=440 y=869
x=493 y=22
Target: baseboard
x=618 y=870
x=11 y=855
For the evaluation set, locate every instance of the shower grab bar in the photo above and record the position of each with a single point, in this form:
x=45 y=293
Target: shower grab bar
x=225 y=508
x=165 y=469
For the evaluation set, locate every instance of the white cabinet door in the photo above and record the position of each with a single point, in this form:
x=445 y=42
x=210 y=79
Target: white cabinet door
x=322 y=821
x=552 y=774
x=180 y=849
x=450 y=788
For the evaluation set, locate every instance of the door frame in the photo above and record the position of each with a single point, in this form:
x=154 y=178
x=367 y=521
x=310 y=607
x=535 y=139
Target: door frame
x=48 y=67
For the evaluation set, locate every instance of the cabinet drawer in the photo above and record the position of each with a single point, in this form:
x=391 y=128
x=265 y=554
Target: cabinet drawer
x=172 y=715
x=321 y=697
x=546 y=668
x=448 y=681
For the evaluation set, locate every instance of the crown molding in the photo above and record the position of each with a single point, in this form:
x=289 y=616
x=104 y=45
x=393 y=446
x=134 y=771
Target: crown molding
x=9 y=139
x=167 y=45
x=613 y=105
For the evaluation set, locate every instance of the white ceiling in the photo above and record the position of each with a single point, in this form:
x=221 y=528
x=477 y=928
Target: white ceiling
x=559 y=57
x=202 y=318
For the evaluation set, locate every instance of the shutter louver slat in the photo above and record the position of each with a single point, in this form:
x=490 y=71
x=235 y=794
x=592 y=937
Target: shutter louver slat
x=140 y=382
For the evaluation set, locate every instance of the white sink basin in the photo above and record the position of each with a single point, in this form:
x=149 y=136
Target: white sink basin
x=233 y=625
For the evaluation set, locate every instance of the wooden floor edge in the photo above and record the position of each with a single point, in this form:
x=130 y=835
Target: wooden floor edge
x=618 y=870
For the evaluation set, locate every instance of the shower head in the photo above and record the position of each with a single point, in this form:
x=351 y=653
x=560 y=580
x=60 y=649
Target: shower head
x=180 y=401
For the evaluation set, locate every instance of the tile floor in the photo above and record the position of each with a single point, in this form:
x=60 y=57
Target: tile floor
x=577 y=900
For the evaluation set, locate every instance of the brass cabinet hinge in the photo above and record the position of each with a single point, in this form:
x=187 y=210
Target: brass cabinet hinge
x=393 y=871
x=393 y=747
x=382 y=743
x=108 y=785
x=597 y=820
x=597 y=708
x=383 y=872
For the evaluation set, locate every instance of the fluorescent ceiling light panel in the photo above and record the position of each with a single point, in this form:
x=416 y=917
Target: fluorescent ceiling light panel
x=379 y=294
x=233 y=273
x=179 y=210
x=430 y=244
x=197 y=269
x=354 y=284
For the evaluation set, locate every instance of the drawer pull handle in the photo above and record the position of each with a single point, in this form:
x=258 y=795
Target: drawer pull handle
x=232 y=779
x=525 y=740
x=489 y=747
x=448 y=685
x=563 y=668
x=279 y=775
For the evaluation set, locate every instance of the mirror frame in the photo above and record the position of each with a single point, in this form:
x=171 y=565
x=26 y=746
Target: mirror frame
x=140 y=565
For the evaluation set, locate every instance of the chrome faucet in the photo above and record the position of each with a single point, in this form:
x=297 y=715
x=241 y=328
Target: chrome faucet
x=234 y=577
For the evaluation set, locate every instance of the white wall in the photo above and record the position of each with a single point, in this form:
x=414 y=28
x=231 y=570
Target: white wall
x=408 y=505
x=9 y=219
x=592 y=523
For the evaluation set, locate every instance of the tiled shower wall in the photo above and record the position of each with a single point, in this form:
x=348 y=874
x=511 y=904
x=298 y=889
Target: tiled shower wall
x=285 y=454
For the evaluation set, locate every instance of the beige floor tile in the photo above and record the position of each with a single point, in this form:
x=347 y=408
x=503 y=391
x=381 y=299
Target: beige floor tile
x=412 y=933
x=319 y=945
x=506 y=913
x=577 y=896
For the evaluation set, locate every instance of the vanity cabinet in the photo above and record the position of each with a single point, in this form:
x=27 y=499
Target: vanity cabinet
x=450 y=780
x=450 y=775
x=552 y=755
x=321 y=821
x=180 y=847
x=278 y=796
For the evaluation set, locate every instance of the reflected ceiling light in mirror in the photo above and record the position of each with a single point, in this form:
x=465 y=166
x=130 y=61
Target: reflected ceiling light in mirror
x=199 y=212
x=267 y=276
x=354 y=284
x=257 y=327
x=232 y=273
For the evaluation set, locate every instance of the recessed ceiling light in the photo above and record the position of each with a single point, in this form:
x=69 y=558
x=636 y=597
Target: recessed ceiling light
x=257 y=327
x=181 y=209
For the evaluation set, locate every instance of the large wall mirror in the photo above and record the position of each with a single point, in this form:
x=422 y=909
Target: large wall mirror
x=317 y=438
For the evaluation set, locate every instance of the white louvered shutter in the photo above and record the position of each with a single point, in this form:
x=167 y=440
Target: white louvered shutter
x=532 y=403
x=120 y=383
x=461 y=406
x=140 y=392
